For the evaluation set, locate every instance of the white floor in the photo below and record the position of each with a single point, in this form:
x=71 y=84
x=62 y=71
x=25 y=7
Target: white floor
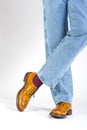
x=36 y=116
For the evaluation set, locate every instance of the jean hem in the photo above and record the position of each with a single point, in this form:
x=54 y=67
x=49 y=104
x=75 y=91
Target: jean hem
x=67 y=101
x=44 y=81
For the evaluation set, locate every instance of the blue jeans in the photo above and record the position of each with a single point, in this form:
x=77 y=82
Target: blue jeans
x=62 y=44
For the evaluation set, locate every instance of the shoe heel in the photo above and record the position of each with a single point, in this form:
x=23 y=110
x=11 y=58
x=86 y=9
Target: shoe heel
x=69 y=112
x=25 y=77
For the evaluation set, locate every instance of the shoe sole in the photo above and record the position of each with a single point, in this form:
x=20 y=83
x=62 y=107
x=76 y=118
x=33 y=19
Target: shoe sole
x=61 y=116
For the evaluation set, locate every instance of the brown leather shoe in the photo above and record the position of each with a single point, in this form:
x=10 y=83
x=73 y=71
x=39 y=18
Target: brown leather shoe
x=62 y=110
x=25 y=94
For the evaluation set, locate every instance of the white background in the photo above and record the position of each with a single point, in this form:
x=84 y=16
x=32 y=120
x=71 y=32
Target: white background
x=21 y=50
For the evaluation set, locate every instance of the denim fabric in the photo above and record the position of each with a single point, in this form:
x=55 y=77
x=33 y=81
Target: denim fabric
x=62 y=45
x=57 y=24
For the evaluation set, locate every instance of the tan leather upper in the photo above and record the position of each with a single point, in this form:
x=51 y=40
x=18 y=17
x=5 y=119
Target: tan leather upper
x=62 y=108
x=24 y=95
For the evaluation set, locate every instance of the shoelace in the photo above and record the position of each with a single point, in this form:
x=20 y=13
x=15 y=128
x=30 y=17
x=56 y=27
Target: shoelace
x=62 y=105
x=31 y=91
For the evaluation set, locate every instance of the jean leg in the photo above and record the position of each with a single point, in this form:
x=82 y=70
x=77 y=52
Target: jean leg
x=55 y=28
x=55 y=23
x=64 y=54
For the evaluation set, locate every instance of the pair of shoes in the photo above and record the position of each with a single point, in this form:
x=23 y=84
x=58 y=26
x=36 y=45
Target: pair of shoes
x=62 y=110
x=25 y=94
